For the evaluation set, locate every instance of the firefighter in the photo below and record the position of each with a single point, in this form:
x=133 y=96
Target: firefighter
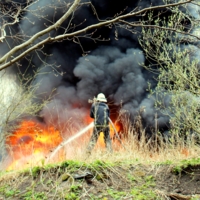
x=101 y=113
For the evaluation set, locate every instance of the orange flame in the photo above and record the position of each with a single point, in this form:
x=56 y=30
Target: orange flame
x=185 y=152
x=112 y=132
x=33 y=140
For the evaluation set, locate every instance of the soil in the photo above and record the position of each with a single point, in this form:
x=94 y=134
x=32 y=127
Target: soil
x=106 y=183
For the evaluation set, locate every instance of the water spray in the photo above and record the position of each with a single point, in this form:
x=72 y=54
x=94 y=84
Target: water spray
x=116 y=134
x=61 y=145
x=81 y=132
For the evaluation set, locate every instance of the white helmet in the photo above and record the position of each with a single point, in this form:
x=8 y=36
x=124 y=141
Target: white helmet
x=101 y=97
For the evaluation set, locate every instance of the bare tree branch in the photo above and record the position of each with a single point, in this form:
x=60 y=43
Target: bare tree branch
x=73 y=7
x=160 y=27
x=41 y=33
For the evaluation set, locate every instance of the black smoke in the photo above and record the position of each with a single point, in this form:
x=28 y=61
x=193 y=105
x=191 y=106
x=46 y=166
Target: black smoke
x=79 y=70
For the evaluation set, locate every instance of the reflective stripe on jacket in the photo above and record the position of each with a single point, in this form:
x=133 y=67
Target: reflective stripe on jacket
x=100 y=112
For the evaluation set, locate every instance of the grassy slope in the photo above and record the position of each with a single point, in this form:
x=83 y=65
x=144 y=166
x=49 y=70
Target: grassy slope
x=128 y=179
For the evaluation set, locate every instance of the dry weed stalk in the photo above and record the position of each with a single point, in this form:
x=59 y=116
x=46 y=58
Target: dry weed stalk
x=137 y=146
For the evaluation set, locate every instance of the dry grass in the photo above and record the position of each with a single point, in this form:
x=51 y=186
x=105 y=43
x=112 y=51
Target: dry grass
x=131 y=151
x=127 y=148
x=134 y=150
x=130 y=148
x=116 y=178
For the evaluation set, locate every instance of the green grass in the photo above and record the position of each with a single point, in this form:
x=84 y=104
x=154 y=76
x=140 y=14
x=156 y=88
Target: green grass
x=179 y=167
x=115 y=180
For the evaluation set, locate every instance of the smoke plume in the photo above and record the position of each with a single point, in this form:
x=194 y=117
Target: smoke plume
x=79 y=72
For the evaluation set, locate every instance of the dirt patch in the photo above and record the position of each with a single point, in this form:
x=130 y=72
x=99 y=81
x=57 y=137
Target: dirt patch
x=102 y=181
x=184 y=182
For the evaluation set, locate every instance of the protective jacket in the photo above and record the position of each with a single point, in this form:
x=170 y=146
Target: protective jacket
x=100 y=112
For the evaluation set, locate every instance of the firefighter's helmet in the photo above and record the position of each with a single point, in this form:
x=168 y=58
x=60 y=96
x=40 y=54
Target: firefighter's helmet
x=101 y=97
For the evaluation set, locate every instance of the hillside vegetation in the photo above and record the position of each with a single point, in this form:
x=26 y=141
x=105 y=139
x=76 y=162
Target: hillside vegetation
x=133 y=172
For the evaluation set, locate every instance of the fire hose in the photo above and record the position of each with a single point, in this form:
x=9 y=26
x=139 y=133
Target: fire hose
x=78 y=135
x=117 y=135
x=81 y=133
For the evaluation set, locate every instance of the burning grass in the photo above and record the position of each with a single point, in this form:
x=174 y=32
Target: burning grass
x=29 y=144
x=32 y=144
x=133 y=150
x=137 y=169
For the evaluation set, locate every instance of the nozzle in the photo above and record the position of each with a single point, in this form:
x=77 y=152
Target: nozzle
x=92 y=100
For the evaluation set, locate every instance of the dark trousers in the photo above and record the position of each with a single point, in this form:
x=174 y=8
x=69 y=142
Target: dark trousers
x=96 y=132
